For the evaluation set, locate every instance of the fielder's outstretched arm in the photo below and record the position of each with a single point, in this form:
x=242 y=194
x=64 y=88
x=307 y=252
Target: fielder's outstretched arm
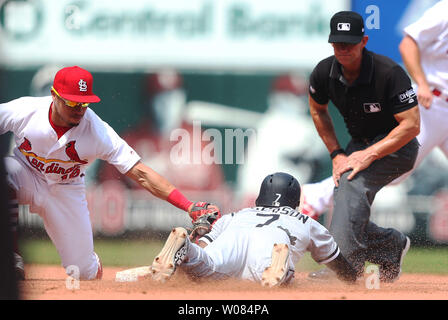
x=163 y=189
x=159 y=186
x=150 y=180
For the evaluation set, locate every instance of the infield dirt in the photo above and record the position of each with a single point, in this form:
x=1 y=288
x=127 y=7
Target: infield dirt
x=50 y=283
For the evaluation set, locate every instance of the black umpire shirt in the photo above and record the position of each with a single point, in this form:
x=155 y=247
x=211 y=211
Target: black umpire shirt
x=367 y=105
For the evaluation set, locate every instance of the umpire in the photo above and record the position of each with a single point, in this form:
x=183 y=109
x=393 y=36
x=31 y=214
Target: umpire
x=379 y=107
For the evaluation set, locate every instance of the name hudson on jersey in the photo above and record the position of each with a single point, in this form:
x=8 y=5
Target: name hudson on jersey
x=49 y=166
x=286 y=211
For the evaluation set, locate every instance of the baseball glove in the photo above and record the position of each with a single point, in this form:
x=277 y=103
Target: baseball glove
x=200 y=208
x=203 y=217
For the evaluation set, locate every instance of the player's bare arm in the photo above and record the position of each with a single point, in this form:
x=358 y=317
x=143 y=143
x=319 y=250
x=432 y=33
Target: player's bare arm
x=410 y=53
x=325 y=128
x=408 y=128
x=150 y=180
x=163 y=189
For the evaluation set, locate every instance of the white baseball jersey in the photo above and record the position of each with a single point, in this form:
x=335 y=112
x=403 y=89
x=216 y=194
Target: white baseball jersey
x=431 y=34
x=48 y=173
x=240 y=244
x=62 y=160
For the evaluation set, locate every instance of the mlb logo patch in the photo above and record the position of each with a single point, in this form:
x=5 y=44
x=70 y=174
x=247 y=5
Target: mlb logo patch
x=407 y=96
x=343 y=26
x=372 y=107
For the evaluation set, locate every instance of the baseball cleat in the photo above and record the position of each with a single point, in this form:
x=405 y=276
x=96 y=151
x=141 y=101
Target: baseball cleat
x=276 y=273
x=392 y=272
x=99 y=272
x=19 y=267
x=173 y=254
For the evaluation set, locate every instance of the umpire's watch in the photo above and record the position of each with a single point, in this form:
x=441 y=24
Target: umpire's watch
x=336 y=152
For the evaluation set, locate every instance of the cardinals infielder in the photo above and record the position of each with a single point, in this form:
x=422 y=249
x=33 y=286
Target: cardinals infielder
x=57 y=137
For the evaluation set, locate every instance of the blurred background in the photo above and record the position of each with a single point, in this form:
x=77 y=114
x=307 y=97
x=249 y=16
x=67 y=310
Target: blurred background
x=230 y=74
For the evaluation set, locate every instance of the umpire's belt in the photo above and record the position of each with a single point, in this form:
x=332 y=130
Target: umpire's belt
x=439 y=94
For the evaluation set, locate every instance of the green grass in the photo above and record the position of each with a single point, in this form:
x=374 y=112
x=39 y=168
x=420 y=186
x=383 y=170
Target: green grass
x=426 y=260
x=116 y=252
x=417 y=260
x=119 y=252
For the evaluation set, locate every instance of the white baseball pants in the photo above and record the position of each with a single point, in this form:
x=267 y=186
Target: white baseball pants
x=239 y=253
x=63 y=208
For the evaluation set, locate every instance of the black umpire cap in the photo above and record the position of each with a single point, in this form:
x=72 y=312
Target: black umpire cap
x=278 y=190
x=347 y=27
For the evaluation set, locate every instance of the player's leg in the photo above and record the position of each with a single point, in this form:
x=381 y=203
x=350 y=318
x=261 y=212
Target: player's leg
x=268 y=260
x=443 y=131
x=173 y=253
x=353 y=199
x=14 y=227
x=9 y=289
x=21 y=190
x=179 y=251
x=227 y=256
x=243 y=254
x=278 y=271
x=203 y=263
x=387 y=248
x=14 y=216
x=67 y=223
x=223 y=258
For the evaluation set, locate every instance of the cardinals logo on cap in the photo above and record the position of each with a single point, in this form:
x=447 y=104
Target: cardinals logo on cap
x=82 y=85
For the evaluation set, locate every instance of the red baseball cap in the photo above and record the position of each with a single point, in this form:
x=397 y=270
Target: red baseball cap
x=75 y=84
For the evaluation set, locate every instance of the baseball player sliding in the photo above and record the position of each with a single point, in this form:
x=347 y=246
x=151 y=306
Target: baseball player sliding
x=260 y=244
x=57 y=137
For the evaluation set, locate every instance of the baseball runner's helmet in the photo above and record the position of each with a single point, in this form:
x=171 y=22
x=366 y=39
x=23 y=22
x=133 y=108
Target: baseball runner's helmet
x=279 y=189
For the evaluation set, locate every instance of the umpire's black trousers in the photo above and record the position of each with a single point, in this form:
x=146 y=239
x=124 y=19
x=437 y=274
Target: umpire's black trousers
x=359 y=239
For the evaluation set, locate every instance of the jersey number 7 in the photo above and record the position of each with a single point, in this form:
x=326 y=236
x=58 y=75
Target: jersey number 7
x=274 y=216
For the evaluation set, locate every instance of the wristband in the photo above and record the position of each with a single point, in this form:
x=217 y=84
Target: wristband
x=177 y=199
x=336 y=152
